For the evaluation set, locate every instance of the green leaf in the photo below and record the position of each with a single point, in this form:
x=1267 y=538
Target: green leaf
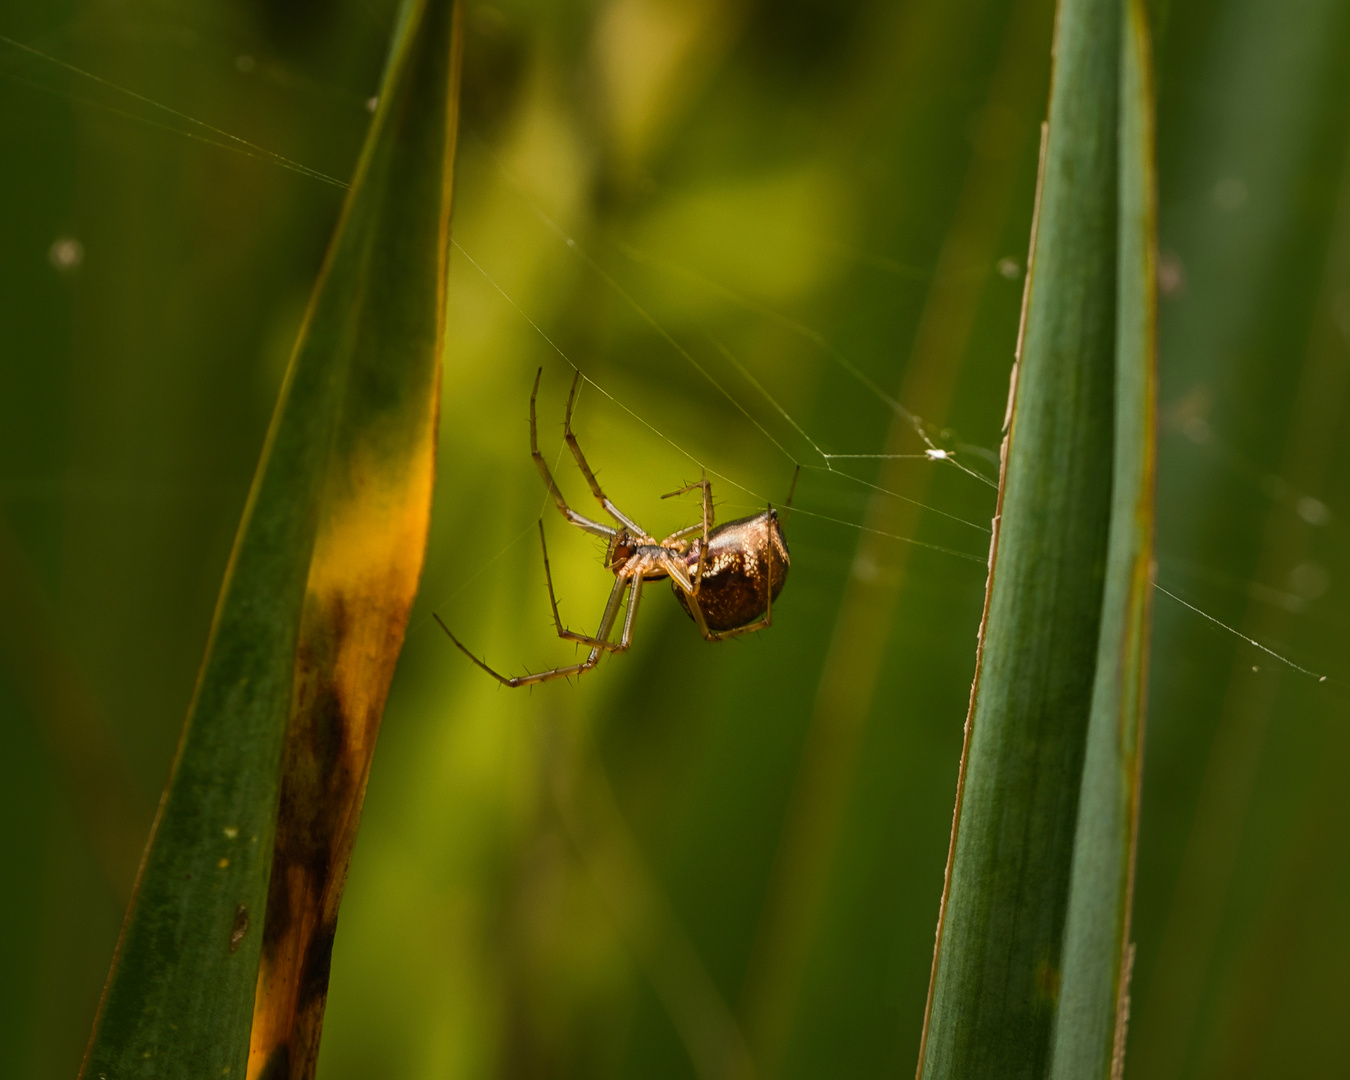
x=1094 y=995
x=372 y=535
x=1027 y=977
x=338 y=511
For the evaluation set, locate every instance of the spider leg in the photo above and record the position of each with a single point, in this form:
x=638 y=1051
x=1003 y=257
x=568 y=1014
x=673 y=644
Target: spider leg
x=677 y=571
x=626 y=638
x=680 y=534
x=581 y=522
x=461 y=647
x=606 y=625
x=706 y=526
x=680 y=577
x=750 y=628
x=612 y=510
x=563 y=632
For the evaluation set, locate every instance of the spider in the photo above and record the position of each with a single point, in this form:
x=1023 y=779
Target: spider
x=726 y=577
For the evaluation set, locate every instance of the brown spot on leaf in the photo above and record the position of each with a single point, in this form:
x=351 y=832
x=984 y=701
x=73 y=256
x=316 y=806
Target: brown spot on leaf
x=318 y=964
x=1047 y=978
x=278 y=1065
x=240 y=927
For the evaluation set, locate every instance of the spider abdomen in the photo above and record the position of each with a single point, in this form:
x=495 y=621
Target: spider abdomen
x=747 y=563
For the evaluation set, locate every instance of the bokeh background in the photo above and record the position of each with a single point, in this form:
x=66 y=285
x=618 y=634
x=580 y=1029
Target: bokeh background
x=755 y=227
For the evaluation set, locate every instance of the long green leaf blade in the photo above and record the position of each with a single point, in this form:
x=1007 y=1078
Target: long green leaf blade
x=1094 y=999
x=997 y=969
x=180 y=996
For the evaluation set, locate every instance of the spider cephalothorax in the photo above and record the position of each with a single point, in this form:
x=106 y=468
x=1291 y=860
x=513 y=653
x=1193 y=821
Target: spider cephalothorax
x=725 y=577
x=621 y=548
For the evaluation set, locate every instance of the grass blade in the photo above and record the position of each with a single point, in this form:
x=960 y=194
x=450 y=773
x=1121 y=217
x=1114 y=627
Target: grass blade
x=372 y=534
x=312 y=609
x=1038 y=845
x=1094 y=996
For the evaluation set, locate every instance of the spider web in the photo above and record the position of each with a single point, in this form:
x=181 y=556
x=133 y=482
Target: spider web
x=931 y=448
x=678 y=392
x=157 y=115
x=825 y=462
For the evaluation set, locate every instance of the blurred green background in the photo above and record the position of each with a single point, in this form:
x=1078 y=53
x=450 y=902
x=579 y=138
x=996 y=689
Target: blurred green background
x=752 y=226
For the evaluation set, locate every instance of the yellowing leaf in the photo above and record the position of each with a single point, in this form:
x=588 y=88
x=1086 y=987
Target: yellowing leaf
x=308 y=628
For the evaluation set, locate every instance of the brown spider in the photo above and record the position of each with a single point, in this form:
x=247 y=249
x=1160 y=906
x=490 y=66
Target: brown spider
x=726 y=578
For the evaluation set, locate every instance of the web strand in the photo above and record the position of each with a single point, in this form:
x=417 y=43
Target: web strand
x=934 y=452
x=815 y=337
x=586 y=378
x=829 y=459
x=749 y=377
x=232 y=142
x=692 y=457
x=1239 y=634
x=791 y=325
